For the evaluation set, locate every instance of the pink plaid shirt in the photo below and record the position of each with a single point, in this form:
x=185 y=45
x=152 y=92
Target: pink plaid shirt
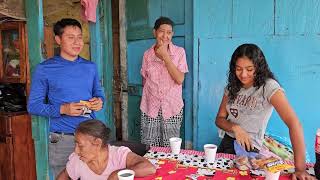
x=160 y=90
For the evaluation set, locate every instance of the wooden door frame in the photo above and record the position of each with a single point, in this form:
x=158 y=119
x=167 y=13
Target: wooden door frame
x=189 y=81
x=123 y=66
x=104 y=62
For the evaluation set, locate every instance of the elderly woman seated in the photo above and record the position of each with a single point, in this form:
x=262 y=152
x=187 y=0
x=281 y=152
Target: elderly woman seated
x=95 y=159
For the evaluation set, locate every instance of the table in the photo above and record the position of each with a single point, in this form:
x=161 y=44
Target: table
x=190 y=164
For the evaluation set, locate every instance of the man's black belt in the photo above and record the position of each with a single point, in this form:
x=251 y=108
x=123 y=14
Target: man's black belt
x=63 y=133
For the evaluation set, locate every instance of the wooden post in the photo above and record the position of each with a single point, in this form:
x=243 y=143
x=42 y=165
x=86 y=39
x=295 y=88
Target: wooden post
x=39 y=124
x=101 y=54
x=123 y=68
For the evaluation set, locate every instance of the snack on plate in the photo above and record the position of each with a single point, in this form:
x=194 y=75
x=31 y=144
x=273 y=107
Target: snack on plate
x=257 y=163
x=243 y=173
x=86 y=103
x=231 y=178
x=242 y=163
x=274 y=165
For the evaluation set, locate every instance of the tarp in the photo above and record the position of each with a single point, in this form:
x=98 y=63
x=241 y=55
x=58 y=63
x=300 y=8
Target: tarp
x=13 y=8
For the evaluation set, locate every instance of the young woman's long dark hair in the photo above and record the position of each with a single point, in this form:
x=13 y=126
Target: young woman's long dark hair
x=262 y=71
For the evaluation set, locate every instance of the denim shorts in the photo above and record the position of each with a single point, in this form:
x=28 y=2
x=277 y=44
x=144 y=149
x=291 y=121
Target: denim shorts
x=60 y=147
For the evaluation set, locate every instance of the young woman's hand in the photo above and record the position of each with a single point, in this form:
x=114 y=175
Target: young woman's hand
x=302 y=175
x=242 y=137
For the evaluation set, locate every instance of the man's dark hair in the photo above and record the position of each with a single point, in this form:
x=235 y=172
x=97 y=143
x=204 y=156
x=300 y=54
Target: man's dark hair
x=162 y=20
x=95 y=128
x=60 y=25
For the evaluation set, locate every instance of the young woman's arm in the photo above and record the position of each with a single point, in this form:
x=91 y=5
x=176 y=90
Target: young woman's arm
x=289 y=117
x=241 y=135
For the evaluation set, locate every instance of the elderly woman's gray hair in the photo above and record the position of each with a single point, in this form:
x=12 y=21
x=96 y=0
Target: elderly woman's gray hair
x=95 y=128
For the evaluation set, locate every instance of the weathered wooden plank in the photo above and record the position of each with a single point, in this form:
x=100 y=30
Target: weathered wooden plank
x=140 y=23
x=135 y=52
x=123 y=67
x=296 y=17
x=188 y=84
x=134 y=123
x=252 y=18
x=213 y=18
x=108 y=64
x=170 y=9
x=97 y=50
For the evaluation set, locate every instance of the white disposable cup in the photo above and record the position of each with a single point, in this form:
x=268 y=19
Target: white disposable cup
x=210 y=151
x=272 y=176
x=175 y=145
x=126 y=174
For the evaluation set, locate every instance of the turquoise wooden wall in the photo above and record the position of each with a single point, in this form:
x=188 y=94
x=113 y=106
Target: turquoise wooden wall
x=288 y=33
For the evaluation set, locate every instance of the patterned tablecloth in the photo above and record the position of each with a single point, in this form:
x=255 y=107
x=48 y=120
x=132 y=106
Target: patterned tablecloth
x=190 y=164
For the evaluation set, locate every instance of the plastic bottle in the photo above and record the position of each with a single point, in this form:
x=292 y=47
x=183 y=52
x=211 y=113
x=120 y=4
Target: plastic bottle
x=317 y=150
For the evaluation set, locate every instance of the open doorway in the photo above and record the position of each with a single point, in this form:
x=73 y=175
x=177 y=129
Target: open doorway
x=117 y=69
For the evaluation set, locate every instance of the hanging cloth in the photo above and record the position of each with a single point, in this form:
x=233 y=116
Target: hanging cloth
x=88 y=11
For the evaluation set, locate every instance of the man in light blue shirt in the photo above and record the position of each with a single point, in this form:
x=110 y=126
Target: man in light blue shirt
x=58 y=85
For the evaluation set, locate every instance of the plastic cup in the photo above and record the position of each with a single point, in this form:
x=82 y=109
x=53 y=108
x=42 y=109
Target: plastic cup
x=175 y=145
x=210 y=151
x=126 y=174
x=272 y=176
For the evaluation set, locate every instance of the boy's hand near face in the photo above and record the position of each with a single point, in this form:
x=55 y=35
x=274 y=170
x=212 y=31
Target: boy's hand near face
x=161 y=51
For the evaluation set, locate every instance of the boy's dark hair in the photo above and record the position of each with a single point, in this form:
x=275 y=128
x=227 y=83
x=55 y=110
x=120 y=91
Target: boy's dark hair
x=162 y=20
x=60 y=25
x=95 y=128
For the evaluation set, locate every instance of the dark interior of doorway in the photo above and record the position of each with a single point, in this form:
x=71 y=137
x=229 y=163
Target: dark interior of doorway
x=116 y=68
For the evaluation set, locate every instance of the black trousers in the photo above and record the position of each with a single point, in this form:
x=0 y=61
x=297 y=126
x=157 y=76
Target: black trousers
x=226 y=145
